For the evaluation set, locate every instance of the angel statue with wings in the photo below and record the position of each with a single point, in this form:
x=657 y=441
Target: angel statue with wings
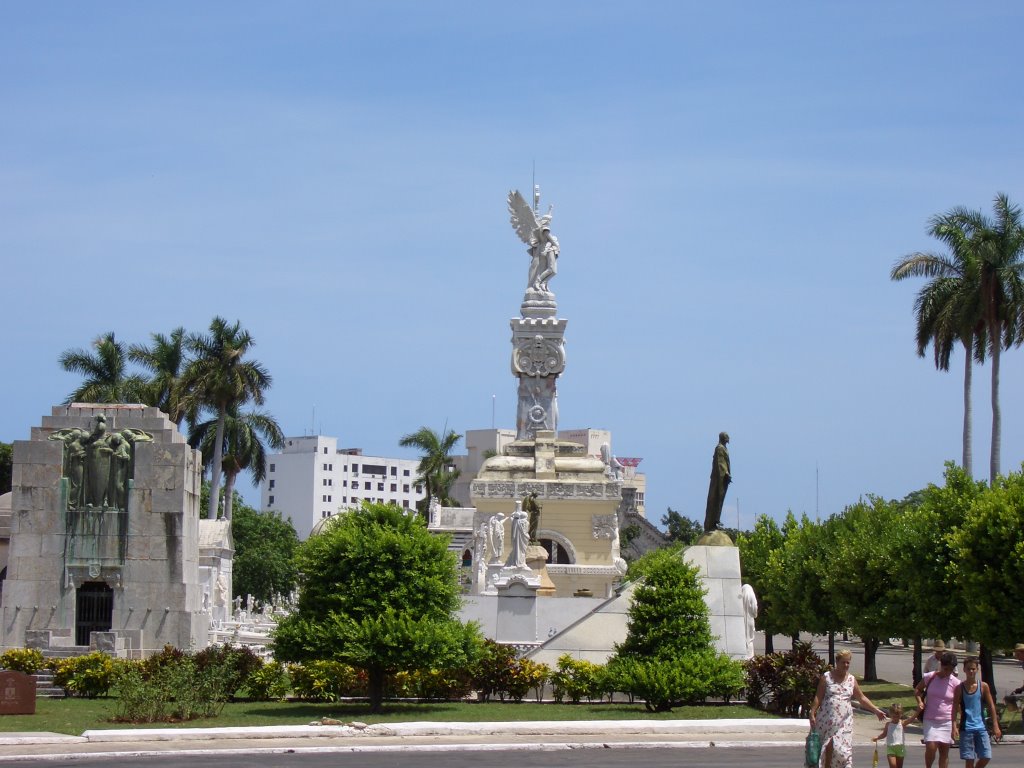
x=535 y=231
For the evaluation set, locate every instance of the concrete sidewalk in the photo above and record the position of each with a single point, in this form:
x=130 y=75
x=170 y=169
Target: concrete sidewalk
x=422 y=736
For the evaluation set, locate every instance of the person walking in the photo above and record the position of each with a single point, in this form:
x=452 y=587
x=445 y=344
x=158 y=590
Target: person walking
x=935 y=708
x=831 y=712
x=931 y=664
x=972 y=694
x=895 y=747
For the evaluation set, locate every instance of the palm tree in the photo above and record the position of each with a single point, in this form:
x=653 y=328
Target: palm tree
x=947 y=308
x=246 y=438
x=219 y=378
x=1000 y=248
x=436 y=468
x=166 y=360
x=106 y=380
x=988 y=302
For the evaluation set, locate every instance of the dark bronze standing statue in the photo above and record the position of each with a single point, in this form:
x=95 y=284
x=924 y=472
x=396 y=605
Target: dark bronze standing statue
x=532 y=507
x=721 y=476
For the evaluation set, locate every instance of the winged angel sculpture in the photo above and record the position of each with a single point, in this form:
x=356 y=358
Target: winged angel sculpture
x=536 y=233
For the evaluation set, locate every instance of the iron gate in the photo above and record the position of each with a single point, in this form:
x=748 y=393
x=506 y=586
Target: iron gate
x=94 y=610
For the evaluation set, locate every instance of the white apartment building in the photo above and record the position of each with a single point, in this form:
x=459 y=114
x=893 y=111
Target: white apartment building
x=311 y=479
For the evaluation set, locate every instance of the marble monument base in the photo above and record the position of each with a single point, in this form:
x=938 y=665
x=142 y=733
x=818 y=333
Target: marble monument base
x=719 y=568
x=517 y=606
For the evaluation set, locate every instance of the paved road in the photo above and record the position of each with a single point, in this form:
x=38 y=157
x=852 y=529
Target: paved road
x=591 y=757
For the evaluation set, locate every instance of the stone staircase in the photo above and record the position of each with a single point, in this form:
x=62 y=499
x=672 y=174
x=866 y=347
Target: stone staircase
x=45 y=689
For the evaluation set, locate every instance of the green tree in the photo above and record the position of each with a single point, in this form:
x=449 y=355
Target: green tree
x=105 y=369
x=756 y=548
x=218 y=377
x=166 y=359
x=859 y=574
x=265 y=547
x=668 y=617
x=986 y=563
x=948 y=308
x=6 y=466
x=681 y=529
x=436 y=469
x=378 y=592
x=246 y=438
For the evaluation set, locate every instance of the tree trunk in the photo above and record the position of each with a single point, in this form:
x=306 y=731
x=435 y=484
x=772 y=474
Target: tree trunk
x=375 y=688
x=987 y=673
x=229 y=493
x=870 y=646
x=917 y=674
x=832 y=647
x=769 y=642
x=215 y=466
x=794 y=640
x=997 y=421
x=968 y=458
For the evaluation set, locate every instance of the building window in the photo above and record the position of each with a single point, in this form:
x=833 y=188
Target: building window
x=394 y=471
x=325 y=449
x=355 y=469
x=273 y=467
x=355 y=499
x=405 y=473
x=419 y=488
x=344 y=483
x=330 y=467
x=405 y=489
x=270 y=501
x=367 y=486
x=380 y=486
x=394 y=487
x=272 y=483
x=405 y=503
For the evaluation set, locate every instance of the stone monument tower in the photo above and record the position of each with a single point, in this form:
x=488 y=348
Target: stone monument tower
x=104 y=535
x=577 y=495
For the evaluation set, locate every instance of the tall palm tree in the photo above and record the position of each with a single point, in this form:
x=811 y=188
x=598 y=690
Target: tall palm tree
x=105 y=372
x=1000 y=248
x=436 y=468
x=990 y=297
x=219 y=378
x=246 y=438
x=166 y=359
x=947 y=308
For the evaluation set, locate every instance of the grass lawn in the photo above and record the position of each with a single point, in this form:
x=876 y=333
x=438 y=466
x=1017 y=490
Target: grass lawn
x=72 y=716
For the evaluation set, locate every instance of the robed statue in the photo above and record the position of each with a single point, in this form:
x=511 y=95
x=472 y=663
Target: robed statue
x=535 y=231
x=721 y=476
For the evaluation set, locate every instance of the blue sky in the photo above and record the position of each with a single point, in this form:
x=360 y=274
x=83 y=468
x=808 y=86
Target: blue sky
x=732 y=183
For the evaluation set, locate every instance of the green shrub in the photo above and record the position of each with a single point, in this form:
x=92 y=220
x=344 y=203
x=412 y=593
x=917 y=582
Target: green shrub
x=268 y=683
x=326 y=680
x=27 y=660
x=90 y=676
x=445 y=684
x=240 y=661
x=171 y=691
x=785 y=682
x=666 y=683
x=577 y=678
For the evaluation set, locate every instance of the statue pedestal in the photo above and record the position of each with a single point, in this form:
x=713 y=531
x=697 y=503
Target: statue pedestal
x=537 y=559
x=719 y=568
x=517 y=606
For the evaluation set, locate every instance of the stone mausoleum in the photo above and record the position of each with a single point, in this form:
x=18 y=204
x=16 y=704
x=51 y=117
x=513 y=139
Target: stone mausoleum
x=104 y=537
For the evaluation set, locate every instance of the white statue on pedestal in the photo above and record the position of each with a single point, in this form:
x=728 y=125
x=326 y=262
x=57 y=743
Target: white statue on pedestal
x=496 y=536
x=535 y=231
x=749 y=614
x=520 y=538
